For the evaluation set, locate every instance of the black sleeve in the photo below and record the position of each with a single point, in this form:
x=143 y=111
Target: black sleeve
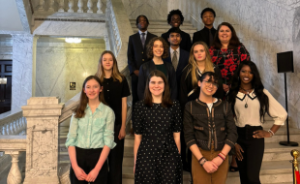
x=188 y=126
x=173 y=82
x=189 y=42
x=230 y=125
x=138 y=118
x=220 y=92
x=141 y=84
x=125 y=88
x=183 y=90
x=177 y=120
x=130 y=55
x=195 y=38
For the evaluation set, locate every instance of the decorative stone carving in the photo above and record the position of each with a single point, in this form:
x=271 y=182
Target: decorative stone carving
x=71 y=4
x=80 y=5
x=99 y=11
x=61 y=6
x=42 y=114
x=90 y=5
x=14 y=175
x=41 y=6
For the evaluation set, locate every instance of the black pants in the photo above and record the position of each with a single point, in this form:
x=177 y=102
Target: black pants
x=115 y=159
x=186 y=154
x=249 y=167
x=87 y=160
x=134 y=86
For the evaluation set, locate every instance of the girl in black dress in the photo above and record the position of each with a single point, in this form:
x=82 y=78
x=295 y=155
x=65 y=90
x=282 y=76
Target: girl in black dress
x=116 y=90
x=157 y=124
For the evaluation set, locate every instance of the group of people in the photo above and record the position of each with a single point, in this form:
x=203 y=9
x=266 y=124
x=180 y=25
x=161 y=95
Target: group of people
x=194 y=103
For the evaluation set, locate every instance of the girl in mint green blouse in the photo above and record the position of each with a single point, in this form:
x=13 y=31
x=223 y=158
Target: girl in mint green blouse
x=90 y=135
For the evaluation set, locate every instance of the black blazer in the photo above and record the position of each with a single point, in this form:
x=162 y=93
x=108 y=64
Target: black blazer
x=144 y=72
x=185 y=43
x=183 y=61
x=203 y=35
x=136 y=54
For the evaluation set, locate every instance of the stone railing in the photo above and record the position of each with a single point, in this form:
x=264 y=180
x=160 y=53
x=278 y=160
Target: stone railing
x=14 y=124
x=13 y=146
x=71 y=6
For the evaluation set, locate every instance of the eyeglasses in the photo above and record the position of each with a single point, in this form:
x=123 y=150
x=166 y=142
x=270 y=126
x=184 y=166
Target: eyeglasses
x=213 y=84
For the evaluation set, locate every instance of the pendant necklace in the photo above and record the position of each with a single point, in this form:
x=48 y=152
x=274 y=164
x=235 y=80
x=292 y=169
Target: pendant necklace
x=246 y=99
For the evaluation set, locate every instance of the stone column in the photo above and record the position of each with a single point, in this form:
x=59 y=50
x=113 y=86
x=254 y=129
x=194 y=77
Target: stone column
x=42 y=114
x=14 y=175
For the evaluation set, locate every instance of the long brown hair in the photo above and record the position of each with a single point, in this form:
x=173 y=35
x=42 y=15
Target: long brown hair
x=80 y=110
x=166 y=99
x=234 y=41
x=209 y=66
x=116 y=75
x=151 y=44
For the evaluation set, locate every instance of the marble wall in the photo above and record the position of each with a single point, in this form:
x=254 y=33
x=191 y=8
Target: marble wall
x=153 y=9
x=264 y=31
x=58 y=63
x=22 y=70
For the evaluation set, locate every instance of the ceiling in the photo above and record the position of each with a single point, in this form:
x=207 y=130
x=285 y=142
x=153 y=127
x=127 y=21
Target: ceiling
x=9 y=16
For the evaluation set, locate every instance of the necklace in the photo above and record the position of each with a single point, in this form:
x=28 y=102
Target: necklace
x=246 y=99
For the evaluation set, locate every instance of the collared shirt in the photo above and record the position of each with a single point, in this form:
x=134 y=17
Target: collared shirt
x=94 y=130
x=140 y=32
x=247 y=110
x=172 y=53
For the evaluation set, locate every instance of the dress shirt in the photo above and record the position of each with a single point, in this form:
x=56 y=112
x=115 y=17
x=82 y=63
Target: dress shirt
x=94 y=130
x=172 y=53
x=140 y=32
x=251 y=116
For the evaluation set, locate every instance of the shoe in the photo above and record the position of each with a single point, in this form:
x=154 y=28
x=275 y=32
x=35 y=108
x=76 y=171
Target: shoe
x=233 y=169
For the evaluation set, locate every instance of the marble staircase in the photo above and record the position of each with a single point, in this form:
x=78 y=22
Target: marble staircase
x=276 y=167
x=158 y=27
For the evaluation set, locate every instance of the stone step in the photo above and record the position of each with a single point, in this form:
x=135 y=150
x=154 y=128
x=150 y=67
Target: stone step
x=166 y=27
x=162 y=22
x=162 y=30
x=271 y=172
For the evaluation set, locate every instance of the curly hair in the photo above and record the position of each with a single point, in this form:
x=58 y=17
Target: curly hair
x=175 y=12
x=151 y=44
x=207 y=10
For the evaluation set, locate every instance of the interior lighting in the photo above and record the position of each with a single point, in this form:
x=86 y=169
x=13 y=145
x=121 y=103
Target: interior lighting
x=73 y=40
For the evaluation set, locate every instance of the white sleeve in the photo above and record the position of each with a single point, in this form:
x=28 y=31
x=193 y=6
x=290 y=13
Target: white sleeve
x=277 y=112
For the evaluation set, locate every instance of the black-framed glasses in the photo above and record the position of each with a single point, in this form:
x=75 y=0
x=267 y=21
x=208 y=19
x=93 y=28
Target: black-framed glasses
x=210 y=83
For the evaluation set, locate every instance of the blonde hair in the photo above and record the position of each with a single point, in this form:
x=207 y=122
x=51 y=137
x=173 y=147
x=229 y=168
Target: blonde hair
x=209 y=66
x=116 y=75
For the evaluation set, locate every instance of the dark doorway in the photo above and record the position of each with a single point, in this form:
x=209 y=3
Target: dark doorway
x=5 y=85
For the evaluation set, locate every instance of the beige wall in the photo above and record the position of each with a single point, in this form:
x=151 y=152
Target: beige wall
x=59 y=63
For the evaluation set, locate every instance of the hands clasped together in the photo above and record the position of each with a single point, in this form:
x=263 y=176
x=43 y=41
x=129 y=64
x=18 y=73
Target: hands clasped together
x=81 y=175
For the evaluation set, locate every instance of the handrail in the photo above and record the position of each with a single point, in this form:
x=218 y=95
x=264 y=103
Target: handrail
x=11 y=117
x=296 y=176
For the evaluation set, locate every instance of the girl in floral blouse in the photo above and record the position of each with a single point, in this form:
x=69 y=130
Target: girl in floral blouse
x=227 y=52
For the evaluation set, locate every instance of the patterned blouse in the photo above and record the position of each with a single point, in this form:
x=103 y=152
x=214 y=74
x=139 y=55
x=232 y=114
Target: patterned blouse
x=94 y=130
x=228 y=60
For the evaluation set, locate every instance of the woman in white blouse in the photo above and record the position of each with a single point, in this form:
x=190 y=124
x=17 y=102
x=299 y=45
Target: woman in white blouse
x=250 y=101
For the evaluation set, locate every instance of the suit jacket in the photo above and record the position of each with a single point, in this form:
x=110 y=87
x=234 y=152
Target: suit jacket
x=185 y=43
x=144 y=72
x=136 y=54
x=183 y=61
x=203 y=35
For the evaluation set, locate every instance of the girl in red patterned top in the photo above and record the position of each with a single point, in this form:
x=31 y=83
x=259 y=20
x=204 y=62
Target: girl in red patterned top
x=227 y=52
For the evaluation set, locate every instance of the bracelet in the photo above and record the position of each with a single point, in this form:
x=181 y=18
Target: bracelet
x=271 y=132
x=201 y=159
x=219 y=155
x=223 y=154
x=203 y=162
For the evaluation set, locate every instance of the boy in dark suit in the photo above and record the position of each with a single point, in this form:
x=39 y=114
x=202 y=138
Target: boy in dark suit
x=175 y=19
x=179 y=59
x=208 y=33
x=137 y=52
